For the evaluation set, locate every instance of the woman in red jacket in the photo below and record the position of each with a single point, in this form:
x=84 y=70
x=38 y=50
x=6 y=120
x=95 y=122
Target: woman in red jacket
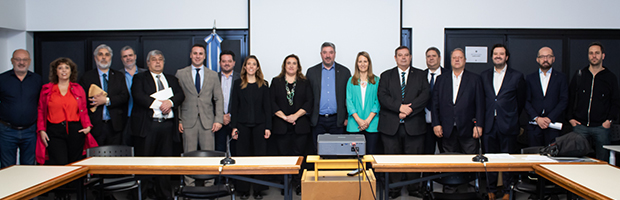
x=63 y=123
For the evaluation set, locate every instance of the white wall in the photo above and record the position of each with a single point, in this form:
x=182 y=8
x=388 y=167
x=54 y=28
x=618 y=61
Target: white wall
x=78 y=15
x=428 y=19
x=281 y=27
x=13 y=14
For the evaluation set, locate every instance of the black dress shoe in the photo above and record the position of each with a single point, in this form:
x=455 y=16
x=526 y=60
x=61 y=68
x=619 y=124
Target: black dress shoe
x=258 y=196
x=394 y=194
x=415 y=194
x=298 y=190
x=244 y=196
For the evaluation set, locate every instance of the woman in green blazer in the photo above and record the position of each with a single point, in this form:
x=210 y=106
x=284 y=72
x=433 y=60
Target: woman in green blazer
x=362 y=102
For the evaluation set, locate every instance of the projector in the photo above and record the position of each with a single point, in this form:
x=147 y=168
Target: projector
x=341 y=145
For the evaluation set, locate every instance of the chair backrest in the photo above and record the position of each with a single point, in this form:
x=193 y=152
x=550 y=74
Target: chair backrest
x=531 y=150
x=204 y=153
x=110 y=151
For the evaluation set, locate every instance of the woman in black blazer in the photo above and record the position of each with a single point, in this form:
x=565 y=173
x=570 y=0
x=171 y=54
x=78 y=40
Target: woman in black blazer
x=291 y=96
x=251 y=117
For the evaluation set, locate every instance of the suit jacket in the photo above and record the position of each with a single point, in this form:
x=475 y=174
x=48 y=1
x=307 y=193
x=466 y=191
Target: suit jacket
x=206 y=106
x=342 y=76
x=416 y=92
x=118 y=94
x=303 y=99
x=141 y=115
x=235 y=76
x=555 y=100
x=508 y=103
x=469 y=104
x=430 y=102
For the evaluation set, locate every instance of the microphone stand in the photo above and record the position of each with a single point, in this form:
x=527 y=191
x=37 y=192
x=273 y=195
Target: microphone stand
x=228 y=160
x=479 y=158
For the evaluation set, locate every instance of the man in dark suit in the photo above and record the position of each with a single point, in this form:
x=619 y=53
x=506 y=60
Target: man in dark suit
x=403 y=95
x=110 y=115
x=227 y=77
x=155 y=129
x=433 y=71
x=457 y=100
x=505 y=93
x=329 y=83
x=547 y=98
x=128 y=57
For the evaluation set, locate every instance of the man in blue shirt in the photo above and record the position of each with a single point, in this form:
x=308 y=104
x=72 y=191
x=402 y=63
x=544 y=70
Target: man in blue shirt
x=329 y=83
x=128 y=57
x=19 y=97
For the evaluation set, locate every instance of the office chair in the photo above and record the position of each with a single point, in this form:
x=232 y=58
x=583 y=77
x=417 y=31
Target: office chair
x=453 y=181
x=112 y=183
x=200 y=191
x=530 y=182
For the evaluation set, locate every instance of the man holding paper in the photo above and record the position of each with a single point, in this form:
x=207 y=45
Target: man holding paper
x=547 y=98
x=107 y=98
x=155 y=115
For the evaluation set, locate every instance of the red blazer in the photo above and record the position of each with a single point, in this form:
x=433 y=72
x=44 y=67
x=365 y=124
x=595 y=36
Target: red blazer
x=80 y=96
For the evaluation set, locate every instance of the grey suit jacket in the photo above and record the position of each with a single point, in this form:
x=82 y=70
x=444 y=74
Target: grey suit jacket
x=200 y=105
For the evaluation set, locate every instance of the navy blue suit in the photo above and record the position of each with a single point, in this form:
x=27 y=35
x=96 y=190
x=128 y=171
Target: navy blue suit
x=501 y=130
x=550 y=105
x=469 y=105
x=430 y=139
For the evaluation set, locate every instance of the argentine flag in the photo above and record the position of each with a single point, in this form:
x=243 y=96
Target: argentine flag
x=213 y=51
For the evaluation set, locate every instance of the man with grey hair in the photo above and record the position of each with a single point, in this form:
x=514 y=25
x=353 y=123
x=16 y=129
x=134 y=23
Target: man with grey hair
x=128 y=57
x=110 y=106
x=329 y=82
x=19 y=97
x=154 y=129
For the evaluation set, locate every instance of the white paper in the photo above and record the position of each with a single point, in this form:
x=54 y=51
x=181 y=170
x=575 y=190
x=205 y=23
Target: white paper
x=475 y=54
x=539 y=158
x=499 y=156
x=163 y=94
x=554 y=125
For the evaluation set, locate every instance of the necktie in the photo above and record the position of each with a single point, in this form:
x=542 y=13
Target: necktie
x=105 y=82
x=432 y=81
x=402 y=90
x=197 y=82
x=160 y=85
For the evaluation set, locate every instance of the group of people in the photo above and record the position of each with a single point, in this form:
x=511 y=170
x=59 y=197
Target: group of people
x=403 y=111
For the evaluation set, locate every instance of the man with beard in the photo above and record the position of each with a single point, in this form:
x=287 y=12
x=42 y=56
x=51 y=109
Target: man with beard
x=227 y=77
x=547 y=98
x=594 y=100
x=505 y=93
x=19 y=97
x=128 y=57
x=110 y=114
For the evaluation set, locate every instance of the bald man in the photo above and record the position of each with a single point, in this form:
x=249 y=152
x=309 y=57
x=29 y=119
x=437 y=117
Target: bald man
x=19 y=97
x=547 y=98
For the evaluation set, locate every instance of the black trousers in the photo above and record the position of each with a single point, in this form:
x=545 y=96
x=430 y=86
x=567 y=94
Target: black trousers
x=251 y=142
x=456 y=143
x=158 y=142
x=496 y=142
x=430 y=140
x=104 y=134
x=402 y=143
x=540 y=137
x=64 y=148
x=220 y=140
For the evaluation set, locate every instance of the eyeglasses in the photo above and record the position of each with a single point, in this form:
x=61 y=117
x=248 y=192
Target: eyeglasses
x=21 y=60
x=546 y=56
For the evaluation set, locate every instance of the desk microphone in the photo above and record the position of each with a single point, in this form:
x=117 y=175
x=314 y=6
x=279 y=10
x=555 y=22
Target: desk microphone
x=228 y=160
x=479 y=157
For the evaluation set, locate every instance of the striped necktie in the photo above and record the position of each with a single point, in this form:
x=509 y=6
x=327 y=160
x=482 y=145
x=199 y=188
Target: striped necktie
x=402 y=90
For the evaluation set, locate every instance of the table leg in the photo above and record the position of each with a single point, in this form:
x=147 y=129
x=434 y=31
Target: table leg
x=612 y=157
x=287 y=189
x=386 y=188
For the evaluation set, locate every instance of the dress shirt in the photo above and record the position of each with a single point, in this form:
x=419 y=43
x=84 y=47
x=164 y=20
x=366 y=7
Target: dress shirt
x=498 y=78
x=456 y=84
x=544 y=79
x=19 y=98
x=128 y=82
x=428 y=116
x=156 y=112
x=400 y=77
x=226 y=82
x=328 y=104
x=201 y=72
x=106 y=114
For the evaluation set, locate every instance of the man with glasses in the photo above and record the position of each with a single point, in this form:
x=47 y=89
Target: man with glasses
x=547 y=98
x=19 y=97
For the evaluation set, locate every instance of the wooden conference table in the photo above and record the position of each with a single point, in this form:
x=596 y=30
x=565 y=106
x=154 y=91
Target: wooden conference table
x=460 y=163
x=589 y=181
x=28 y=181
x=258 y=165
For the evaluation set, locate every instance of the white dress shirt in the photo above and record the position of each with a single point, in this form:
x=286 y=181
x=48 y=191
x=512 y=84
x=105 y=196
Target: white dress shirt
x=400 y=76
x=456 y=85
x=156 y=112
x=544 y=80
x=201 y=72
x=498 y=79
